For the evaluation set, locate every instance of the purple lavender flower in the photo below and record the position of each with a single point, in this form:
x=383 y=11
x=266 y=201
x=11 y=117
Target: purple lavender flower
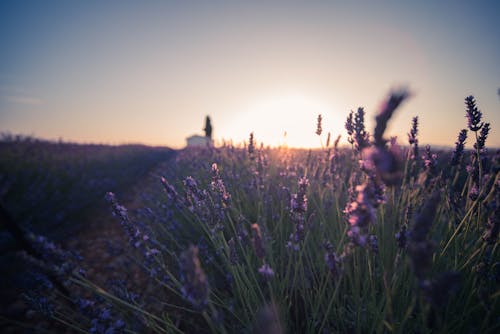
x=430 y=160
x=266 y=271
x=360 y=135
x=139 y=237
x=328 y=137
x=403 y=234
x=361 y=212
x=333 y=261
x=385 y=113
x=40 y=304
x=349 y=126
x=298 y=208
x=412 y=135
x=298 y=202
x=195 y=284
x=170 y=190
x=384 y=163
x=474 y=192
x=319 y=130
x=219 y=189
x=483 y=135
x=473 y=114
x=413 y=139
x=251 y=146
x=53 y=261
x=459 y=148
x=195 y=197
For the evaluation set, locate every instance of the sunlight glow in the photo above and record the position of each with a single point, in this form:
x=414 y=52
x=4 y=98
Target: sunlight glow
x=287 y=120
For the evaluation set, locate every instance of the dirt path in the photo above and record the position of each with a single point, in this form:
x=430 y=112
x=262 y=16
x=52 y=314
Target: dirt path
x=104 y=247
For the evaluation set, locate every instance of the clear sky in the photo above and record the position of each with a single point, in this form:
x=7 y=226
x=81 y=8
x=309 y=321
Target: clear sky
x=150 y=71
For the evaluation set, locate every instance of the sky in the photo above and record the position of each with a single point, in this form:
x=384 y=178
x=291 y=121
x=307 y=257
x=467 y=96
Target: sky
x=150 y=71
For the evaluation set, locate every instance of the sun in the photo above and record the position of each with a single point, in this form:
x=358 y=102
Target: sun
x=287 y=120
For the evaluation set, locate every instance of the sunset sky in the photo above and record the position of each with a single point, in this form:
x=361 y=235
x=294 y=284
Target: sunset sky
x=149 y=72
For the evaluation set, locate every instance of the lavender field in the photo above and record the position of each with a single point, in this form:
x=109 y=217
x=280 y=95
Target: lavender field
x=384 y=235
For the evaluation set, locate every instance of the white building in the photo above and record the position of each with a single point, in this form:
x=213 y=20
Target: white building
x=199 y=141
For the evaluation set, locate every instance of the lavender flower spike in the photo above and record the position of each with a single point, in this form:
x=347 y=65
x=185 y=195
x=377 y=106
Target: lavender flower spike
x=483 y=135
x=333 y=261
x=459 y=148
x=349 y=126
x=319 y=130
x=361 y=137
x=473 y=114
x=251 y=145
x=385 y=113
x=266 y=271
x=412 y=137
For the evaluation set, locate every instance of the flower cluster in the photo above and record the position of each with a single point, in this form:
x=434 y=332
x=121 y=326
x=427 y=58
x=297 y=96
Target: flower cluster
x=138 y=238
x=361 y=212
x=298 y=208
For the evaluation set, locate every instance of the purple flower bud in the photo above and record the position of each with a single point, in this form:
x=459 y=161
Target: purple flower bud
x=473 y=114
x=266 y=271
x=170 y=190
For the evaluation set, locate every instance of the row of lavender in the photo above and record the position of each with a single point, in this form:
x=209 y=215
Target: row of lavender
x=375 y=238
x=45 y=185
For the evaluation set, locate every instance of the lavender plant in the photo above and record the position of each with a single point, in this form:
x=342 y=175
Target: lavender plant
x=279 y=240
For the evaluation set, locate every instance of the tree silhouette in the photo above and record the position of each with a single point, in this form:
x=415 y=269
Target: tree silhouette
x=208 y=127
